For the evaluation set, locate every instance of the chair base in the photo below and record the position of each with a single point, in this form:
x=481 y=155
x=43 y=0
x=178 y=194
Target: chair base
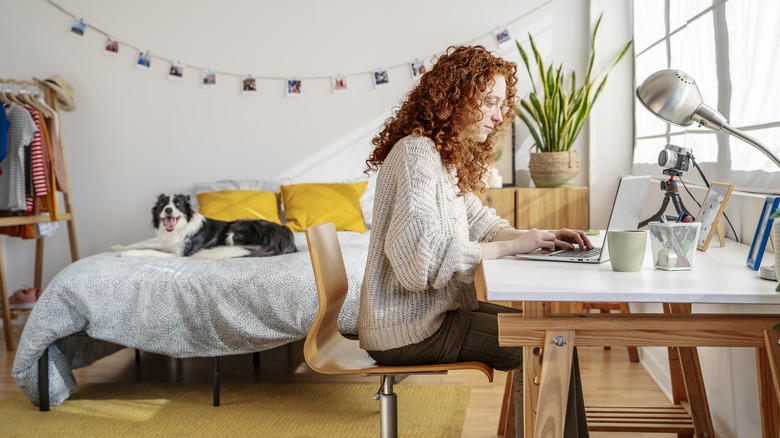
x=388 y=408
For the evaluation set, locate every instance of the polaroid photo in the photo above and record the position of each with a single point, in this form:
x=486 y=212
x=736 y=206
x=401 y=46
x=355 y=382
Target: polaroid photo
x=176 y=72
x=248 y=86
x=78 y=27
x=293 y=87
x=112 y=47
x=502 y=35
x=208 y=78
x=339 y=83
x=381 y=78
x=418 y=69
x=144 y=60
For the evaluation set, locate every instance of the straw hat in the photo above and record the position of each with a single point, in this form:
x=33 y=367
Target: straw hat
x=66 y=94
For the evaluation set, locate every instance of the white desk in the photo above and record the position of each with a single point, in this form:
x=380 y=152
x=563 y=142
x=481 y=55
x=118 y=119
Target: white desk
x=718 y=276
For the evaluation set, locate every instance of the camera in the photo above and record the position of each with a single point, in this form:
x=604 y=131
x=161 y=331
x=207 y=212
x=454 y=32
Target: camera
x=674 y=157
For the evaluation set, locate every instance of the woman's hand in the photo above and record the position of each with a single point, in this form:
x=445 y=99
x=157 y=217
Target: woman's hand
x=509 y=241
x=568 y=239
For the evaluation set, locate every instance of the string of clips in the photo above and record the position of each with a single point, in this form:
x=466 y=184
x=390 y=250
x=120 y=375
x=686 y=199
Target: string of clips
x=500 y=35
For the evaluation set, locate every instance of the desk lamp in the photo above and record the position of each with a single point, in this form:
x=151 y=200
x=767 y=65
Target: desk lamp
x=673 y=96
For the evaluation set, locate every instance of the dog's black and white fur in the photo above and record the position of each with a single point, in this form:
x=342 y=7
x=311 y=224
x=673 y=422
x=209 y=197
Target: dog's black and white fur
x=185 y=232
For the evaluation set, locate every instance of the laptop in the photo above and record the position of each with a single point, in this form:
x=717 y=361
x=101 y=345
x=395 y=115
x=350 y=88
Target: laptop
x=625 y=215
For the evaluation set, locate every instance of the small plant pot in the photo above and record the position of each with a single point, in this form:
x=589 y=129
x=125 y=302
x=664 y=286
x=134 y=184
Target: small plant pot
x=554 y=169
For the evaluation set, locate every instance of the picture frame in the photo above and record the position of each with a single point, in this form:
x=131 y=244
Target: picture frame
x=505 y=164
x=711 y=211
x=144 y=60
x=248 y=85
x=418 y=68
x=763 y=231
x=339 y=83
x=176 y=72
x=381 y=79
x=502 y=36
x=77 y=27
x=111 y=47
x=208 y=78
x=293 y=87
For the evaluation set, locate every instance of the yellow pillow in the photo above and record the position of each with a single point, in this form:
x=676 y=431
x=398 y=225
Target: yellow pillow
x=230 y=205
x=306 y=205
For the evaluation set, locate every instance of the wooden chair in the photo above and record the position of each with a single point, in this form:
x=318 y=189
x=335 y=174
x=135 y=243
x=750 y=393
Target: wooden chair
x=328 y=352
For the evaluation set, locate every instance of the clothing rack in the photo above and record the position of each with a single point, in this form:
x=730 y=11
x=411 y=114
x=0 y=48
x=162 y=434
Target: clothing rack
x=19 y=92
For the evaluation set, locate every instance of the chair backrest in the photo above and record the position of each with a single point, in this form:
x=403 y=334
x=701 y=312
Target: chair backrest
x=332 y=286
x=326 y=350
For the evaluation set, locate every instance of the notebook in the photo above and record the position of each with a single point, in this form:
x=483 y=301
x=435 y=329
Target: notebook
x=625 y=215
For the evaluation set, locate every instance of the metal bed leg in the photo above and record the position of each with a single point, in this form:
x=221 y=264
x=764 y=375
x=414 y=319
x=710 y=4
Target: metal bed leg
x=43 y=381
x=216 y=381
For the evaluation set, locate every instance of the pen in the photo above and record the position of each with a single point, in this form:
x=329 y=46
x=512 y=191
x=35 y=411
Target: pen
x=679 y=218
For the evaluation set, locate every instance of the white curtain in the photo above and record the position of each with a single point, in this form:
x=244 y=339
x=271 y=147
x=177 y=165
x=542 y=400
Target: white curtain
x=732 y=49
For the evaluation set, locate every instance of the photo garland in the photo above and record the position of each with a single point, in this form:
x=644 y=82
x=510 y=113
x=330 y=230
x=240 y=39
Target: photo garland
x=711 y=211
x=763 y=231
x=77 y=28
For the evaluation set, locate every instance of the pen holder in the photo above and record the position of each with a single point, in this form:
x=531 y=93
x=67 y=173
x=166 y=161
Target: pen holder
x=674 y=244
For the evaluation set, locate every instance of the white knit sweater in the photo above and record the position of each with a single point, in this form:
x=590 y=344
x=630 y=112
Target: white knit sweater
x=424 y=248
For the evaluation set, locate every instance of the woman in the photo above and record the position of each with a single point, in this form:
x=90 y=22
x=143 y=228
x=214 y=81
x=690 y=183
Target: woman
x=418 y=302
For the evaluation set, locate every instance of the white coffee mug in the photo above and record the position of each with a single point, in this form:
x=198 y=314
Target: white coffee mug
x=627 y=249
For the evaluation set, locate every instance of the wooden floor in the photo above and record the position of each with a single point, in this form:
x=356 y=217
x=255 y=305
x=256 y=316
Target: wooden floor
x=605 y=375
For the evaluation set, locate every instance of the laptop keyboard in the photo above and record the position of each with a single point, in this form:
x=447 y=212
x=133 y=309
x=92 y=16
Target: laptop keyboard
x=580 y=253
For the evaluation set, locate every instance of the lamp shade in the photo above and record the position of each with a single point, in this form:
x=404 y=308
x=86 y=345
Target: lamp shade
x=673 y=96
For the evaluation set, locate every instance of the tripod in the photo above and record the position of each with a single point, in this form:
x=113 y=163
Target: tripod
x=670 y=187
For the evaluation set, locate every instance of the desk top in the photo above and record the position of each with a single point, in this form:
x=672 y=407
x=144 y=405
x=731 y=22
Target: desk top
x=719 y=275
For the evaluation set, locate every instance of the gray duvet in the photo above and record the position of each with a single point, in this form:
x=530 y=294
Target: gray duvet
x=181 y=307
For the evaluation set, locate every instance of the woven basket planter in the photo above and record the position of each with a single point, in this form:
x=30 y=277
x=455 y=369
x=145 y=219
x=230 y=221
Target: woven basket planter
x=554 y=169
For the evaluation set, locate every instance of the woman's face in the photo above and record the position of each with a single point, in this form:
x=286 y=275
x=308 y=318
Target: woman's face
x=491 y=108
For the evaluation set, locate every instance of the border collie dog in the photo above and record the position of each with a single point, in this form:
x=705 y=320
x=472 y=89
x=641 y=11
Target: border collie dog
x=185 y=232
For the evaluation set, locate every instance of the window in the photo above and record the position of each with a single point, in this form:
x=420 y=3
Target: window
x=732 y=49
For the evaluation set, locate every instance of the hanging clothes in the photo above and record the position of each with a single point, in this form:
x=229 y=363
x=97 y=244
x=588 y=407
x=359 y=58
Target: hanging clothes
x=4 y=125
x=36 y=165
x=55 y=151
x=12 y=184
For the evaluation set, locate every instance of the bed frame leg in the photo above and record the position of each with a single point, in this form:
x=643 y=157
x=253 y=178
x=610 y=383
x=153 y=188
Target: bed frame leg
x=137 y=356
x=43 y=381
x=216 y=381
x=256 y=358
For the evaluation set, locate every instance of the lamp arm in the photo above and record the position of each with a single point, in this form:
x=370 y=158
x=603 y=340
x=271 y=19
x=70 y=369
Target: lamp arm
x=752 y=141
x=711 y=118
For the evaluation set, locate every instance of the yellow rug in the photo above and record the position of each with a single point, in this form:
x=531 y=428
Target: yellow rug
x=247 y=410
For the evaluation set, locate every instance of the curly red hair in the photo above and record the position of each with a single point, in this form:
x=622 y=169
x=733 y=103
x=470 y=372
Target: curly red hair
x=445 y=106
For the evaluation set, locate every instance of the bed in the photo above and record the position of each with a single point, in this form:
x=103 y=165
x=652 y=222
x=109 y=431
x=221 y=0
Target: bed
x=184 y=307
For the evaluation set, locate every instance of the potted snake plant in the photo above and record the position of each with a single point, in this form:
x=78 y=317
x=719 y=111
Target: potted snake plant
x=555 y=114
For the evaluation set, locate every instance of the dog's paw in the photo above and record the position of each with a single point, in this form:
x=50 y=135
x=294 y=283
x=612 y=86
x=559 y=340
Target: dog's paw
x=119 y=248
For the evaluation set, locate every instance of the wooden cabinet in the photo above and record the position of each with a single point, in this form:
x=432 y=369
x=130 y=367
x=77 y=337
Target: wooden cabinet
x=528 y=207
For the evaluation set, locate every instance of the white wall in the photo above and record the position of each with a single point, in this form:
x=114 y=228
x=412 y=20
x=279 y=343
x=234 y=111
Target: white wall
x=136 y=134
